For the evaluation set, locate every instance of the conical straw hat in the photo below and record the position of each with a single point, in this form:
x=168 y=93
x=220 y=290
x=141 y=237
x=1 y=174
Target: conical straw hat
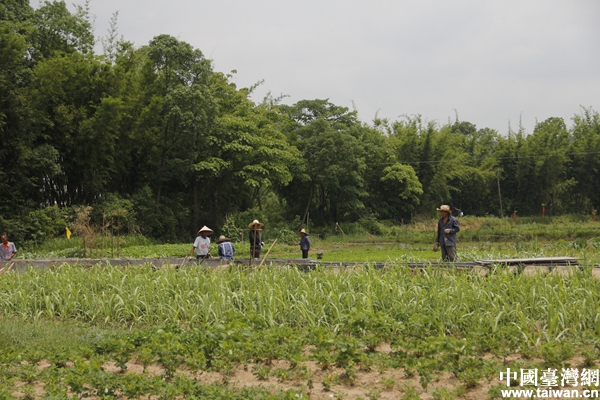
x=205 y=229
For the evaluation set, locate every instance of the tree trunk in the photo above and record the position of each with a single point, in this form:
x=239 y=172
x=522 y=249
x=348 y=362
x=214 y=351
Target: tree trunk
x=258 y=198
x=196 y=218
x=158 y=193
x=312 y=185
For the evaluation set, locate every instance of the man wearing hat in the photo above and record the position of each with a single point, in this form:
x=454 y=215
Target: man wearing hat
x=202 y=244
x=446 y=234
x=255 y=238
x=226 y=249
x=304 y=243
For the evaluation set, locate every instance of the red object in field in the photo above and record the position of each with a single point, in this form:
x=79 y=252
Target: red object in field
x=543 y=210
x=595 y=212
x=515 y=217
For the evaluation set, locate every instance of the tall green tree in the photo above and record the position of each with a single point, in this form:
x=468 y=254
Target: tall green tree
x=543 y=167
x=243 y=154
x=22 y=158
x=75 y=117
x=474 y=172
x=331 y=184
x=58 y=30
x=400 y=192
x=393 y=188
x=584 y=167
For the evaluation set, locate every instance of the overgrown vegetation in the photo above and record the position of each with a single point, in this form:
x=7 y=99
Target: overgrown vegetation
x=159 y=143
x=136 y=148
x=184 y=323
x=132 y=332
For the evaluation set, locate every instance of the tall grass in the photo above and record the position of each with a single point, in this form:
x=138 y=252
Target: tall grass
x=517 y=309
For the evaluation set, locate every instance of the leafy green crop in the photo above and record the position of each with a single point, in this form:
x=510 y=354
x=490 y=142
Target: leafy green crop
x=198 y=320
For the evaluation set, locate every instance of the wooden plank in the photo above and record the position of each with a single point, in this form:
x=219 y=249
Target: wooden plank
x=540 y=260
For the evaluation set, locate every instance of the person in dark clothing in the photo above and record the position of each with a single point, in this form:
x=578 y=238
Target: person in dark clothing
x=255 y=238
x=446 y=234
x=304 y=243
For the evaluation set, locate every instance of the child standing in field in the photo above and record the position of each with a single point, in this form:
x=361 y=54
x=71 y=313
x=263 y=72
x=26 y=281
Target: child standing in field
x=304 y=243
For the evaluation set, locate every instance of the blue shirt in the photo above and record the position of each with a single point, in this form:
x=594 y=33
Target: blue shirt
x=6 y=252
x=226 y=250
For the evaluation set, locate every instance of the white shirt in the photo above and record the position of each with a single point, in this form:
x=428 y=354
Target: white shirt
x=202 y=245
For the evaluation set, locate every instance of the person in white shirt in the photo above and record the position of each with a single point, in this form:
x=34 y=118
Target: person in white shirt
x=202 y=244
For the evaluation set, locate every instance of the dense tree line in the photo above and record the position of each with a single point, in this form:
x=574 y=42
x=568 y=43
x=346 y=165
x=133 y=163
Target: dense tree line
x=157 y=132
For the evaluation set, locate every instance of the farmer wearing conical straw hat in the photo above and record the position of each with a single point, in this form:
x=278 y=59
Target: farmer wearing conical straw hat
x=304 y=243
x=202 y=244
x=226 y=249
x=255 y=238
x=446 y=234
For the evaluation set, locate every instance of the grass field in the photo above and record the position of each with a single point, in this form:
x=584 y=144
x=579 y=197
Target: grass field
x=278 y=333
x=479 y=238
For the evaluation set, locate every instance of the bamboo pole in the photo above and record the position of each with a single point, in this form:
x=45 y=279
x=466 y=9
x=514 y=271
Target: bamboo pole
x=204 y=258
x=7 y=267
x=265 y=257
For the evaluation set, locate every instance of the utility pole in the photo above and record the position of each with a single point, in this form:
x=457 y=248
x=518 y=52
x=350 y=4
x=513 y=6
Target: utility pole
x=499 y=194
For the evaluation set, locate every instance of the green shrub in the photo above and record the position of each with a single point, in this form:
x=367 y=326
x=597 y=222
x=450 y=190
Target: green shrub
x=36 y=227
x=284 y=236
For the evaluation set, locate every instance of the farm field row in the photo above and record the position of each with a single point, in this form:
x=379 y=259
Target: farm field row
x=378 y=250
x=111 y=332
x=479 y=238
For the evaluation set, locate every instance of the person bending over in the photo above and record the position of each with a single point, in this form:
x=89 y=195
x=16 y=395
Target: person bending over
x=7 y=249
x=226 y=249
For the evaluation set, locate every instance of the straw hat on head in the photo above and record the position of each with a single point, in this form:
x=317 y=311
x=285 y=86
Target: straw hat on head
x=255 y=224
x=223 y=239
x=445 y=207
x=205 y=229
x=302 y=232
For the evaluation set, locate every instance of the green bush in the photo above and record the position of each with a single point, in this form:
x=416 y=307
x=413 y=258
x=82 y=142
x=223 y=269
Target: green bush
x=284 y=236
x=36 y=227
x=231 y=229
x=370 y=225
